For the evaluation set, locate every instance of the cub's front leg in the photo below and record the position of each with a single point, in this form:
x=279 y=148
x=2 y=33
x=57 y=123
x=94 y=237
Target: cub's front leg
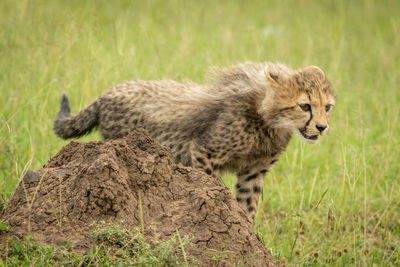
x=250 y=178
x=249 y=188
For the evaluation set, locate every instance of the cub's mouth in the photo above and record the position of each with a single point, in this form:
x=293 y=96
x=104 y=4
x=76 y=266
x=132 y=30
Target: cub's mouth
x=310 y=137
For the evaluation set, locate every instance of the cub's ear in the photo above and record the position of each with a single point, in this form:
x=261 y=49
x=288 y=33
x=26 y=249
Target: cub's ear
x=277 y=75
x=314 y=70
x=272 y=75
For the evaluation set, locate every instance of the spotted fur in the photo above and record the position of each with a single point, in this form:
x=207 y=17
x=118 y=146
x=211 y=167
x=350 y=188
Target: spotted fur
x=241 y=121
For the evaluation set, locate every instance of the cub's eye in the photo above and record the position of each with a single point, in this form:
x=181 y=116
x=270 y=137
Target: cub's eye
x=305 y=107
x=328 y=107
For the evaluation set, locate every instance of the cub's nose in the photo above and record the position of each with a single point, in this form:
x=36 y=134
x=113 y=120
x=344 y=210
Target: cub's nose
x=321 y=128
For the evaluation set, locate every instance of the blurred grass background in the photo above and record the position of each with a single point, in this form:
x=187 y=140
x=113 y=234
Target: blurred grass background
x=335 y=203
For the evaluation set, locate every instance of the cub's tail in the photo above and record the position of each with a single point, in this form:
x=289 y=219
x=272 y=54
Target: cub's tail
x=66 y=126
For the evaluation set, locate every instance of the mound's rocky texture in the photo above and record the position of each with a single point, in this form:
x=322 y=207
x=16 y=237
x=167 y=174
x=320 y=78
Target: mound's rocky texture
x=95 y=181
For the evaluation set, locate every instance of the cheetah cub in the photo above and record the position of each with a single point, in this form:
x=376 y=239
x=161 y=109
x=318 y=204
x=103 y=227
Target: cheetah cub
x=241 y=121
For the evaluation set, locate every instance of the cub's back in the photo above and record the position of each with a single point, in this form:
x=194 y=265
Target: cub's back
x=157 y=106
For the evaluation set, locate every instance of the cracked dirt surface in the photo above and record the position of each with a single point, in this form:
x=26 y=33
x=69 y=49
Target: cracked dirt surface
x=95 y=181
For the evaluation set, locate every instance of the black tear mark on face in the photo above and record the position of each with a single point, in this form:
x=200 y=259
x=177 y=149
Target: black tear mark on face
x=311 y=115
x=303 y=130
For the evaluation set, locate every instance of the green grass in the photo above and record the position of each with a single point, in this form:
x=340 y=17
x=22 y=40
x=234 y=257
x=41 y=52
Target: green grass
x=117 y=247
x=335 y=203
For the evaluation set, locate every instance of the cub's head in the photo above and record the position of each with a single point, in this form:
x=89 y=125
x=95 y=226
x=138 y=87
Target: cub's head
x=300 y=100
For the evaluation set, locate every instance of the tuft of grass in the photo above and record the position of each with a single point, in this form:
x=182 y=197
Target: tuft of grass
x=338 y=199
x=28 y=253
x=132 y=246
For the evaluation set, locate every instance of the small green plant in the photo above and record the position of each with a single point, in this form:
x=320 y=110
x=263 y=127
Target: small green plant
x=4 y=228
x=23 y=252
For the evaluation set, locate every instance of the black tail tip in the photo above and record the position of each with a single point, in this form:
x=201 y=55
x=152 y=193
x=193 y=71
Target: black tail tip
x=65 y=107
x=64 y=99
